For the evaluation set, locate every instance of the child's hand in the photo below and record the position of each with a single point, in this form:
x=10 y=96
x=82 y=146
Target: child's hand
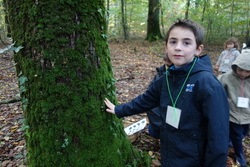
x=111 y=106
x=216 y=68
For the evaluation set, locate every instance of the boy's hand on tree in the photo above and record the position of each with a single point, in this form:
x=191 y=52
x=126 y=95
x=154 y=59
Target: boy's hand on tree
x=216 y=68
x=111 y=106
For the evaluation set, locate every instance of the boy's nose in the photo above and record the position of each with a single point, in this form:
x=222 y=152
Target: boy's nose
x=178 y=46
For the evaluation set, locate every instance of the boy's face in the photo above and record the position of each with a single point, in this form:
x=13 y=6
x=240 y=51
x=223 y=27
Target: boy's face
x=242 y=73
x=181 y=46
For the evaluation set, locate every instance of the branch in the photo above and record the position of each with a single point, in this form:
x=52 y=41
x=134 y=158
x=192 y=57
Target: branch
x=10 y=101
x=128 y=78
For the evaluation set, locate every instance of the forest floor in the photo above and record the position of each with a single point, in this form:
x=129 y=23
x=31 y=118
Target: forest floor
x=134 y=64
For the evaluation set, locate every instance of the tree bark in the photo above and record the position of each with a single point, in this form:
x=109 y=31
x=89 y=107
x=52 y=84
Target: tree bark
x=187 y=9
x=205 y=6
x=64 y=74
x=124 y=20
x=153 y=27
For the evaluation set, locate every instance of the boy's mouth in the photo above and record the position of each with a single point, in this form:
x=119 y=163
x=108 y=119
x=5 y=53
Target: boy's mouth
x=177 y=56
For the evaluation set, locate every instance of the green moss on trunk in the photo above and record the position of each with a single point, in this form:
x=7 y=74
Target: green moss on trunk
x=67 y=65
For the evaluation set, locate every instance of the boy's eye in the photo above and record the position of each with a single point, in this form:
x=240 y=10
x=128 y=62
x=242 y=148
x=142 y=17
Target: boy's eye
x=172 y=42
x=186 y=43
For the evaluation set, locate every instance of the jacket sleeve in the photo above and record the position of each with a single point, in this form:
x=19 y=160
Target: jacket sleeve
x=142 y=103
x=223 y=80
x=216 y=111
x=219 y=60
x=237 y=54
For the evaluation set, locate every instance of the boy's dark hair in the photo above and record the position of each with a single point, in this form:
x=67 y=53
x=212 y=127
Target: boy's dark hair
x=234 y=41
x=196 y=28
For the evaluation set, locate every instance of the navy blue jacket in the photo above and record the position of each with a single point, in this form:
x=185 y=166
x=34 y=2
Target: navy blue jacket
x=202 y=137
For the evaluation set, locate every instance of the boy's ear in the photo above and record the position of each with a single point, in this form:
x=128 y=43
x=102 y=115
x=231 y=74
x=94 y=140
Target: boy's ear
x=199 y=50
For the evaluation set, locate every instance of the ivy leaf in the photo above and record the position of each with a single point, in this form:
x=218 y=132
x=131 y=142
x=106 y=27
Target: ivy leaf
x=16 y=49
x=22 y=80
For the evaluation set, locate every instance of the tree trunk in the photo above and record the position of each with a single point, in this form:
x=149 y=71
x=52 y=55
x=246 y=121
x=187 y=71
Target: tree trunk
x=153 y=27
x=64 y=74
x=107 y=7
x=232 y=19
x=124 y=20
x=162 y=22
x=205 y=6
x=187 y=9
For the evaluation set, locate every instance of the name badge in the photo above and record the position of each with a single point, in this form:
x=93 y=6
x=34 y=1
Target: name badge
x=242 y=102
x=173 y=116
x=226 y=61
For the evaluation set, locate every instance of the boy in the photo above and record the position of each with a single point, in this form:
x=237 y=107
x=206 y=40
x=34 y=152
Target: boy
x=195 y=127
x=237 y=83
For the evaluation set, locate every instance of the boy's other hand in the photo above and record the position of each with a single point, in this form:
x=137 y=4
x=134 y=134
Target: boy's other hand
x=110 y=106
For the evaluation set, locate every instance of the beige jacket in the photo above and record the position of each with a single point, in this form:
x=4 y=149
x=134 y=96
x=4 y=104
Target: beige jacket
x=234 y=88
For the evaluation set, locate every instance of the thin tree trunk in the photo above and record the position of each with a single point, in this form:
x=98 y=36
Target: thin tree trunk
x=108 y=11
x=204 y=10
x=162 y=22
x=187 y=9
x=232 y=18
x=124 y=20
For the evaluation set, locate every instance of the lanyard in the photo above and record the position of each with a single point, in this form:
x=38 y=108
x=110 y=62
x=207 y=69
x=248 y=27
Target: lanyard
x=242 y=88
x=169 y=92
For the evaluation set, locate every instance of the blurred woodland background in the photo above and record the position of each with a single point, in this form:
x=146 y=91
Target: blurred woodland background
x=149 y=19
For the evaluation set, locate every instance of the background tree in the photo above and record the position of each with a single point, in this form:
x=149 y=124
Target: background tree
x=124 y=20
x=187 y=9
x=232 y=17
x=107 y=7
x=205 y=6
x=162 y=22
x=64 y=74
x=153 y=24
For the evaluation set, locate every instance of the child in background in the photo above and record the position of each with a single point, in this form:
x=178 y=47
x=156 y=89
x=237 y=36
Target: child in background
x=246 y=47
x=195 y=127
x=227 y=57
x=237 y=84
x=154 y=114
